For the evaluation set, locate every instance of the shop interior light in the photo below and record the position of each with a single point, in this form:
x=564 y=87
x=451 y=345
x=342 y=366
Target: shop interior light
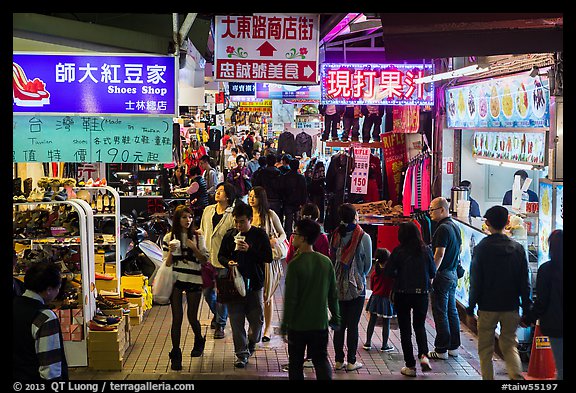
x=507 y=164
x=465 y=71
x=518 y=166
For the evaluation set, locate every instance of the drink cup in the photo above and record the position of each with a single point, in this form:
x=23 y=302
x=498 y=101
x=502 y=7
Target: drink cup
x=237 y=239
x=178 y=250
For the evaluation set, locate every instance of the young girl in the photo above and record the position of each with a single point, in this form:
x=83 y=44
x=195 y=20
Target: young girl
x=379 y=304
x=186 y=255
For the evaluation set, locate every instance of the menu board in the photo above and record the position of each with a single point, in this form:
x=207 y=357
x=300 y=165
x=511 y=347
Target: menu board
x=528 y=147
x=508 y=102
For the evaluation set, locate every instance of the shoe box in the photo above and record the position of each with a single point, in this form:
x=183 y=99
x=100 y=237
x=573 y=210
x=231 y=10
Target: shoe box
x=107 y=285
x=106 y=349
x=71 y=324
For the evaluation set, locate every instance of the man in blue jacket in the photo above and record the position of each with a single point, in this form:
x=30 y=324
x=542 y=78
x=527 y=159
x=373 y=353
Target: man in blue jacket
x=500 y=285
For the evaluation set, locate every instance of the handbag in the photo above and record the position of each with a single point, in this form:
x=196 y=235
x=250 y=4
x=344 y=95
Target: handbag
x=272 y=273
x=238 y=281
x=162 y=285
x=459 y=270
x=280 y=248
x=226 y=290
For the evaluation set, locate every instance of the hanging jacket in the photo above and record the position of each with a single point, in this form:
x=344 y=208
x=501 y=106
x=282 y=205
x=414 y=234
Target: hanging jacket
x=303 y=144
x=286 y=143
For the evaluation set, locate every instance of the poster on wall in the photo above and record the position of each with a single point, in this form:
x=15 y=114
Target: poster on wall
x=508 y=102
x=395 y=157
x=524 y=147
x=360 y=173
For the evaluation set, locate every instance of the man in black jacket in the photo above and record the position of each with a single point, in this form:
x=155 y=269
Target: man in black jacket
x=294 y=193
x=500 y=285
x=269 y=179
x=248 y=247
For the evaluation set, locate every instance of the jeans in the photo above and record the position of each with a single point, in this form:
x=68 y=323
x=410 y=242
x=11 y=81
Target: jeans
x=404 y=304
x=289 y=219
x=331 y=125
x=350 y=311
x=250 y=308
x=444 y=311
x=557 y=344
x=350 y=124
x=371 y=122
x=219 y=310
x=317 y=343
x=507 y=341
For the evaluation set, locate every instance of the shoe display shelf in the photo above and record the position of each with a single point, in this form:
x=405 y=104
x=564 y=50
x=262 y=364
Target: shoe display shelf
x=105 y=204
x=36 y=239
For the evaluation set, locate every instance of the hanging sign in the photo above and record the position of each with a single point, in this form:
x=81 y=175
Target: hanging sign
x=360 y=173
x=508 y=102
x=241 y=89
x=295 y=93
x=267 y=48
x=395 y=157
x=92 y=139
x=374 y=84
x=94 y=84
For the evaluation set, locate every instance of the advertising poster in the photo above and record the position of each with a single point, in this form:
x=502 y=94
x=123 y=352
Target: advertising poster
x=525 y=147
x=395 y=157
x=360 y=173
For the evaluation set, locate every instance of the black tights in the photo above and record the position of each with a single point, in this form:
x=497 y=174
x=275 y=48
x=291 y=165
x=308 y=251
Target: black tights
x=193 y=301
x=385 y=329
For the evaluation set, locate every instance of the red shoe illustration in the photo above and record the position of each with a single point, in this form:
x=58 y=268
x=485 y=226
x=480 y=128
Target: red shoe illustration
x=26 y=92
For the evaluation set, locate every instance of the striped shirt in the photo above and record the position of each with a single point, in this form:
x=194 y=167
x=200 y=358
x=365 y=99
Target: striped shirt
x=185 y=267
x=45 y=331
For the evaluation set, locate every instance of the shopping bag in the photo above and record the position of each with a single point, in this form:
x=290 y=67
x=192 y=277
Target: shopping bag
x=238 y=281
x=162 y=285
x=280 y=248
x=226 y=291
x=272 y=273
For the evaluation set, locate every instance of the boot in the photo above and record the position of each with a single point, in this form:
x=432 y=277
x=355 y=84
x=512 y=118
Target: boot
x=198 y=349
x=175 y=356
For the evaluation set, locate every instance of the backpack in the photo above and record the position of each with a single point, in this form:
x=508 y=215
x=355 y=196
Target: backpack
x=349 y=281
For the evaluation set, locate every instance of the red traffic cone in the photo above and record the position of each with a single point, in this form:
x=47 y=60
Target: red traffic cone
x=541 y=365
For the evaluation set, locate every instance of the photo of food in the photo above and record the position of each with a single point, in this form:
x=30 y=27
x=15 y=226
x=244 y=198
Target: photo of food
x=461 y=104
x=538 y=99
x=482 y=105
x=494 y=103
x=507 y=102
x=545 y=203
x=522 y=100
x=471 y=104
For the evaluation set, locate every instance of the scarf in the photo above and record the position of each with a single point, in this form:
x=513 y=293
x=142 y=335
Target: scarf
x=349 y=249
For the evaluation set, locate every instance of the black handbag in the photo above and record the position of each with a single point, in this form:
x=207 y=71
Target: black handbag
x=226 y=291
x=459 y=270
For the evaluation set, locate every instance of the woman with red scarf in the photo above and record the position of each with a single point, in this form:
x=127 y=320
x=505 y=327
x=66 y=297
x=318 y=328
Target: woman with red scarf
x=351 y=251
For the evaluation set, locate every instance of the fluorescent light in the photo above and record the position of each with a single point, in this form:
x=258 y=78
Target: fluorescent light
x=488 y=162
x=465 y=71
x=515 y=165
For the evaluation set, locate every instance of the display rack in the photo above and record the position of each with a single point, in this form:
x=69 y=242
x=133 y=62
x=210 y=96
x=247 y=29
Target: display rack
x=33 y=237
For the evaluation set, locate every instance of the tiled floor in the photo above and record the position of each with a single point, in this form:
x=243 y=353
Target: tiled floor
x=147 y=357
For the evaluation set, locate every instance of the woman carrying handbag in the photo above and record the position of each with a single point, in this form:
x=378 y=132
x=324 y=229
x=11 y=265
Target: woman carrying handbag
x=183 y=249
x=267 y=219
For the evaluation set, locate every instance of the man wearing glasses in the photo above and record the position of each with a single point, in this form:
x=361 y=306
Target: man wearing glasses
x=446 y=242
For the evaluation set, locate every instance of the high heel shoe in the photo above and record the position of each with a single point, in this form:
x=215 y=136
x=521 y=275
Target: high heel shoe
x=112 y=204
x=198 y=349
x=175 y=356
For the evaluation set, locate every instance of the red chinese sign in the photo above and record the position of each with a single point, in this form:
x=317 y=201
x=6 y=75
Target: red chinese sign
x=395 y=158
x=375 y=84
x=267 y=48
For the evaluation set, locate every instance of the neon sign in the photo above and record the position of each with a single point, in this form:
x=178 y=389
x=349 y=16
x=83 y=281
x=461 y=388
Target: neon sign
x=375 y=84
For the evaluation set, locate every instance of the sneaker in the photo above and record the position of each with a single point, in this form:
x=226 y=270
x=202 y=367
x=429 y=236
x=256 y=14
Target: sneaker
x=219 y=333
x=285 y=367
x=387 y=348
x=240 y=362
x=308 y=363
x=408 y=371
x=453 y=353
x=367 y=346
x=353 y=366
x=438 y=355
x=339 y=365
x=425 y=363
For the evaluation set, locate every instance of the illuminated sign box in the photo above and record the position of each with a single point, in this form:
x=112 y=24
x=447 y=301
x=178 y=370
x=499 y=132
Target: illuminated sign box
x=375 y=84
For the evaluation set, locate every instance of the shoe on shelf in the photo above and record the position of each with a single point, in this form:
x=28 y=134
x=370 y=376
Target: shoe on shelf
x=89 y=183
x=408 y=371
x=387 y=348
x=425 y=363
x=198 y=349
x=354 y=366
x=61 y=195
x=103 y=276
x=219 y=333
x=308 y=363
x=92 y=325
x=339 y=365
x=240 y=362
x=48 y=194
x=367 y=346
x=453 y=352
x=438 y=355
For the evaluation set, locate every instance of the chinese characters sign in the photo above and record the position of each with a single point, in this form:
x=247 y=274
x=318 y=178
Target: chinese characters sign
x=241 y=89
x=508 y=102
x=374 y=84
x=267 y=48
x=360 y=174
x=92 y=139
x=395 y=158
x=94 y=84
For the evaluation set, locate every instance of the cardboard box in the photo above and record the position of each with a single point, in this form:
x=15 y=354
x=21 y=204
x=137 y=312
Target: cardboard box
x=135 y=311
x=107 y=285
x=66 y=336
x=99 y=258
x=136 y=320
x=132 y=282
x=78 y=334
x=99 y=266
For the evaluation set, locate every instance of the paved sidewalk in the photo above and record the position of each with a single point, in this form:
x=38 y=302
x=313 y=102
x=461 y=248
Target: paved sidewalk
x=147 y=357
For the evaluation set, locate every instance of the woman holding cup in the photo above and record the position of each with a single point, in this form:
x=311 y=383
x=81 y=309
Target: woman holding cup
x=183 y=248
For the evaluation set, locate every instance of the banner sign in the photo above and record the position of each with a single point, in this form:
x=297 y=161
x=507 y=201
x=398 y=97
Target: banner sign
x=277 y=91
x=374 y=84
x=267 y=48
x=523 y=147
x=241 y=89
x=360 y=173
x=93 y=139
x=395 y=158
x=94 y=84
x=508 y=102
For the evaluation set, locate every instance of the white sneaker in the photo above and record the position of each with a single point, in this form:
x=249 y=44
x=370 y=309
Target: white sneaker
x=308 y=363
x=438 y=355
x=408 y=371
x=353 y=366
x=453 y=353
x=425 y=363
x=339 y=365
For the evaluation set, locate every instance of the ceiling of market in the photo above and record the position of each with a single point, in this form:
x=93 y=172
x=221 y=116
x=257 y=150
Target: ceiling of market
x=403 y=36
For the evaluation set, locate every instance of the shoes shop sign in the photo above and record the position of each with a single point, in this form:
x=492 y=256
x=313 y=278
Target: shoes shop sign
x=276 y=48
x=93 y=139
x=100 y=84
